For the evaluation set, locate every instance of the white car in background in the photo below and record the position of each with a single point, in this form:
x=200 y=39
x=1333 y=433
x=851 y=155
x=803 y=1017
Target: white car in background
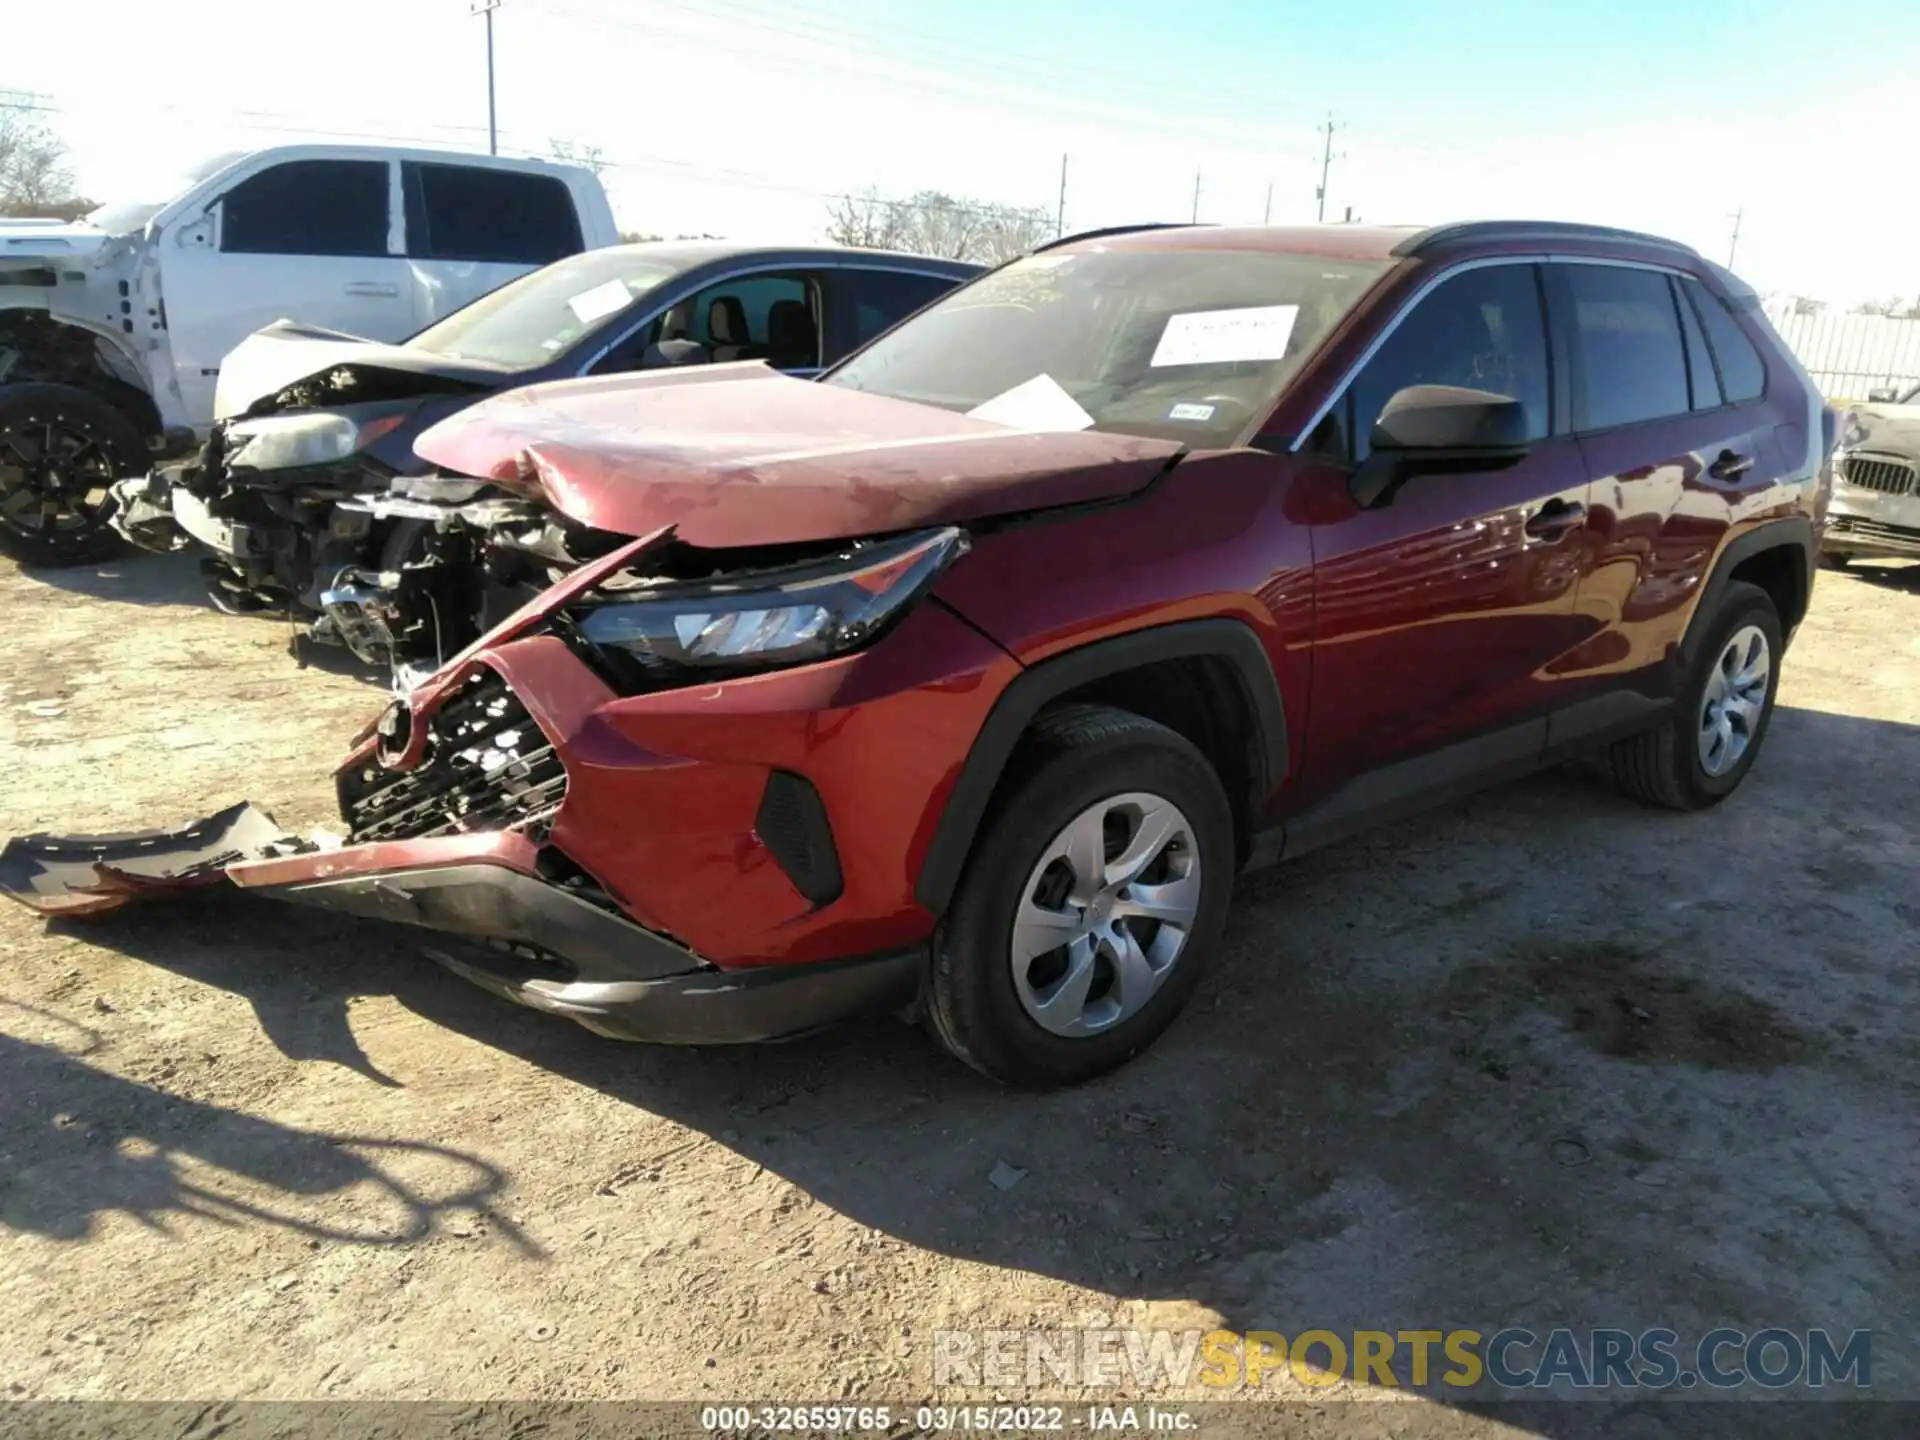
x=113 y=329
x=1876 y=473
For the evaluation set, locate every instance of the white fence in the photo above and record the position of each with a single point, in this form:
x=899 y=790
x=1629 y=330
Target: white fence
x=1848 y=355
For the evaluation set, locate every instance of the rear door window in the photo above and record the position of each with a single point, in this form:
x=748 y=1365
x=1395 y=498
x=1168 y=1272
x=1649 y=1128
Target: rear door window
x=775 y=318
x=465 y=212
x=308 y=207
x=1483 y=329
x=1630 y=363
x=880 y=299
x=1743 y=375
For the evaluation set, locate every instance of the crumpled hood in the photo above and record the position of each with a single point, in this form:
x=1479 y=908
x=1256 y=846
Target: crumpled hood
x=1892 y=429
x=27 y=246
x=269 y=360
x=740 y=455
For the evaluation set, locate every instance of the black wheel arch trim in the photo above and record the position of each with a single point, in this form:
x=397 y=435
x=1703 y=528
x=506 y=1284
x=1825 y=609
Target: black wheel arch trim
x=1033 y=689
x=1794 y=532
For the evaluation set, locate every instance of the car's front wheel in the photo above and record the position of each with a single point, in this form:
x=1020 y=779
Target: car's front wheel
x=1093 y=899
x=1704 y=750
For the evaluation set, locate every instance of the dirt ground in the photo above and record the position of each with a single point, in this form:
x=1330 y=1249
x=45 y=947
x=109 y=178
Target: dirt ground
x=1546 y=1058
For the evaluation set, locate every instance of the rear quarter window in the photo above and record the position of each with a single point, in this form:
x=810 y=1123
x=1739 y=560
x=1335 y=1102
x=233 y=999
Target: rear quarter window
x=464 y=212
x=1743 y=374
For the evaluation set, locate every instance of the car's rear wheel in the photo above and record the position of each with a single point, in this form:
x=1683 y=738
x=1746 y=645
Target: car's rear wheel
x=1094 y=897
x=1835 y=559
x=61 y=450
x=1703 y=751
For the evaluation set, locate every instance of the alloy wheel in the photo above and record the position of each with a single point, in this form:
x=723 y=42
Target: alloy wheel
x=53 y=477
x=1735 y=700
x=1105 y=914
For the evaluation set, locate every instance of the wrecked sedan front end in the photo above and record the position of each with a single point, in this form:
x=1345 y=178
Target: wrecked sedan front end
x=309 y=419
x=683 y=794
x=1875 y=511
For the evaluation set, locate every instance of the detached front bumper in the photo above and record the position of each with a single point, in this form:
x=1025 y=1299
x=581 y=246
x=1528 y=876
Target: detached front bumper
x=503 y=925
x=160 y=511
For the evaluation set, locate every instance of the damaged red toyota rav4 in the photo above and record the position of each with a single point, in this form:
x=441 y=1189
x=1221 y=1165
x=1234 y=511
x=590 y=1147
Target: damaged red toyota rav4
x=966 y=678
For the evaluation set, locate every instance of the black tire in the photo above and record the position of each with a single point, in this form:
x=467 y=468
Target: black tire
x=1663 y=766
x=1074 y=757
x=48 y=515
x=1835 y=560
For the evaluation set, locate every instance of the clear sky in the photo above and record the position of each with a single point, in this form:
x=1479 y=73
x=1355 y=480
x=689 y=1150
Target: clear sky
x=740 y=117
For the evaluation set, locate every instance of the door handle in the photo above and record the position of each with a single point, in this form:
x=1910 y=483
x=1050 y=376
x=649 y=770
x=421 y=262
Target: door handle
x=371 y=287
x=1730 y=466
x=1556 y=517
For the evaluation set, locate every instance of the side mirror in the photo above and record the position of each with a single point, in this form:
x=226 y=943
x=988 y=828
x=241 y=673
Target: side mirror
x=1437 y=430
x=1883 y=395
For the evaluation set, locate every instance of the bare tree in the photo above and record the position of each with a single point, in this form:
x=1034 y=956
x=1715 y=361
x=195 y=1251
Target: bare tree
x=934 y=223
x=1892 y=306
x=1803 y=305
x=588 y=157
x=34 y=178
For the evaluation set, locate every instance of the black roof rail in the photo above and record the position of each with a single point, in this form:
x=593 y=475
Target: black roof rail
x=1105 y=231
x=1544 y=231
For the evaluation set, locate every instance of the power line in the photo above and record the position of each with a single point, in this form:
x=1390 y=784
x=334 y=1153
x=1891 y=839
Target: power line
x=1033 y=99
x=940 y=49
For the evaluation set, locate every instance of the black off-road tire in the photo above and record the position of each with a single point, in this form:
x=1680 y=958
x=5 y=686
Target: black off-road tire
x=1075 y=756
x=1662 y=766
x=114 y=443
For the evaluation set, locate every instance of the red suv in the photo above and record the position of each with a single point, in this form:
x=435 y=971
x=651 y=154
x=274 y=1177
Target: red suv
x=969 y=676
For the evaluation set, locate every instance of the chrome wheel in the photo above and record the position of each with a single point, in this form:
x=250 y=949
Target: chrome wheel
x=1735 y=700
x=1105 y=914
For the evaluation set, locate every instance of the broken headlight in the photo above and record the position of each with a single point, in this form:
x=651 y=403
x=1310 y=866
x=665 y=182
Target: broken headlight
x=295 y=442
x=768 y=618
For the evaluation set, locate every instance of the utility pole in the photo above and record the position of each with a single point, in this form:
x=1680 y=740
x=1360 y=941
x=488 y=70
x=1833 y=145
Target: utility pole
x=1733 y=248
x=1196 y=197
x=486 y=8
x=1266 y=216
x=1060 y=220
x=1326 y=164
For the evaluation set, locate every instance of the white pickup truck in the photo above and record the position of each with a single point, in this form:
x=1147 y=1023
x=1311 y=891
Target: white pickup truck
x=112 y=329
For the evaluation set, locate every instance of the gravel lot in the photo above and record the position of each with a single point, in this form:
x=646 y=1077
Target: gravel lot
x=1547 y=1058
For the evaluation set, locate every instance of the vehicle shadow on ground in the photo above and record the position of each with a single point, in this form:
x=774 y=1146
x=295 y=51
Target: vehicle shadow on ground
x=136 y=579
x=80 y=1142
x=1892 y=574
x=1531 y=1061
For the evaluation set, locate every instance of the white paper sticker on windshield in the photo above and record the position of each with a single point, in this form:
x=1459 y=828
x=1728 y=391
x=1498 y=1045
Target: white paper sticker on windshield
x=1219 y=337
x=599 y=302
x=1037 y=404
x=1187 y=410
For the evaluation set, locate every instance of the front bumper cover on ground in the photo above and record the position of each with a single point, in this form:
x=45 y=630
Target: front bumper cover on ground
x=507 y=928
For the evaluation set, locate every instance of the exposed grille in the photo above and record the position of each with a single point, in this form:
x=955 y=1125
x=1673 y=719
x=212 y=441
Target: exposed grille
x=487 y=767
x=1870 y=472
x=1872 y=529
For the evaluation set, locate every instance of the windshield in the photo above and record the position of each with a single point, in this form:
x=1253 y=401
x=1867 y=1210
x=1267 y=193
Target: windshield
x=1182 y=345
x=529 y=321
x=121 y=217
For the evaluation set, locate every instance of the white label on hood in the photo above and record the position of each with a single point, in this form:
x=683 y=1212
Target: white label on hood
x=1220 y=337
x=1037 y=404
x=599 y=302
